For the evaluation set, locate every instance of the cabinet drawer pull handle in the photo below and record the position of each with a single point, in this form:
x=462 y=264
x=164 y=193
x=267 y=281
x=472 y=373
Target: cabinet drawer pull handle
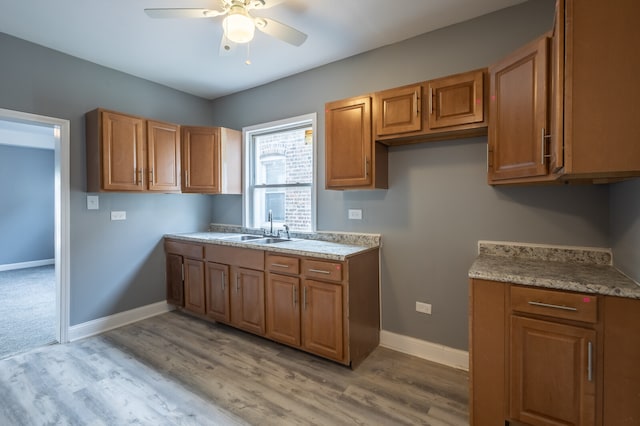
x=548 y=305
x=237 y=283
x=222 y=281
x=304 y=298
x=319 y=271
x=590 y=361
x=416 y=99
x=279 y=265
x=430 y=100
x=295 y=296
x=544 y=145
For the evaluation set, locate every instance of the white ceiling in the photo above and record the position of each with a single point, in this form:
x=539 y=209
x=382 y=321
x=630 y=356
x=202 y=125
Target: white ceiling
x=183 y=53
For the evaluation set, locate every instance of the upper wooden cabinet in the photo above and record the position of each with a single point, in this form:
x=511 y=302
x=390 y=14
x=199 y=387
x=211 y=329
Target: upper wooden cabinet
x=444 y=108
x=353 y=160
x=163 y=156
x=399 y=110
x=129 y=153
x=211 y=160
x=519 y=127
x=457 y=100
x=591 y=130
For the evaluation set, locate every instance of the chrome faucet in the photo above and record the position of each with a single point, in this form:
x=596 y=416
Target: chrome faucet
x=286 y=229
x=270 y=222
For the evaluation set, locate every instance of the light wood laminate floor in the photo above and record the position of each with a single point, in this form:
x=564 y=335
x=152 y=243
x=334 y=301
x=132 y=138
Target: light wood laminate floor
x=176 y=370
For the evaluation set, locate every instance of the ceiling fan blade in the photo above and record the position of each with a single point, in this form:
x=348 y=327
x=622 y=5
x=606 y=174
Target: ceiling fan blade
x=227 y=47
x=263 y=4
x=184 y=13
x=280 y=31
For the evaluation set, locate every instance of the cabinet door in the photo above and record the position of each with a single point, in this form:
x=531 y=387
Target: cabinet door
x=201 y=159
x=247 y=300
x=217 y=292
x=175 y=287
x=194 y=285
x=621 y=387
x=398 y=110
x=163 y=152
x=552 y=379
x=348 y=143
x=488 y=399
x=518 y=111
x=123 y=152
x=322 y=319
x=456 y=100
x=283 y=309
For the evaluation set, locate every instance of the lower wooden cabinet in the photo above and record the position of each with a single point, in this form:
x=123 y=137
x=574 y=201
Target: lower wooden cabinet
x=175 y=287
x=283 y=308
x=322 y=319
x=328 y=308
x=550 y=357
x=217 y=292
x=247 y=300
x=552 y=374
x=194 y=299
x=185 y=275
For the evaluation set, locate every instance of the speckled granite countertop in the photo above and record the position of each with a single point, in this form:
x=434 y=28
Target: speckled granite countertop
x=563 y=268
x=325 y=245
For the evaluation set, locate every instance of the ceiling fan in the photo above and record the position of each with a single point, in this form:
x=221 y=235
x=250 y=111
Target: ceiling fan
x=238 y=25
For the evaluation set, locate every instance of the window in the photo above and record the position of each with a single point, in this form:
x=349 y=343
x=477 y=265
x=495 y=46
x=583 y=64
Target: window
x=280 y=174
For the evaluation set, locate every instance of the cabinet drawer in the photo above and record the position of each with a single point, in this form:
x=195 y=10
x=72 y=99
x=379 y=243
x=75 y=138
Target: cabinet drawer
x=246 y=258
x=328 y=271
x=558 y=304
x=194 y=251
x=282 y=264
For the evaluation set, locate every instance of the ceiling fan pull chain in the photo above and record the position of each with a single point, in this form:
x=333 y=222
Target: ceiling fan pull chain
x=248 y=61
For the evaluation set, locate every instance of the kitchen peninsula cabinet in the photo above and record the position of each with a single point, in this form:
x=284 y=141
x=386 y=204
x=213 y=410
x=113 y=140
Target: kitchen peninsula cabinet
x=581 y=124
x=353 y=160
x=130 y=153
x=545 y=356
x=439 y=109
x=553 y=347
x=211 y=160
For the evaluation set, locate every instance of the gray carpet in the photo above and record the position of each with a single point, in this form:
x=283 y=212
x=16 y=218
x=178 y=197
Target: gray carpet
x=27 y=309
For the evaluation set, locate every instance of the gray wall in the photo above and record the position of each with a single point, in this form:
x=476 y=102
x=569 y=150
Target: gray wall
x=438 y=205
x=26 y=204
x=625 y=226
x=115 y=266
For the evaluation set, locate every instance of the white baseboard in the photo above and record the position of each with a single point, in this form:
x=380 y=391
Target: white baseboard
x=23 y=265
x=100 y=325
x=441 y=354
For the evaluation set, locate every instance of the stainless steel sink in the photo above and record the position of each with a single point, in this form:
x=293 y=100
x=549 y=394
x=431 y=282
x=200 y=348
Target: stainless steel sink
x=243 y=238
x=270 y=240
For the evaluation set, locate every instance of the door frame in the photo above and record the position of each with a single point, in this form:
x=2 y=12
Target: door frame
x=62 y=196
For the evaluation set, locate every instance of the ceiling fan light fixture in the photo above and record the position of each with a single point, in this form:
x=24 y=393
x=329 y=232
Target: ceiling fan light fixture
x=238 y=26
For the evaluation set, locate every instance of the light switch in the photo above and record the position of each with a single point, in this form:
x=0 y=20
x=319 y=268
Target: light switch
x=118 y=215
x=92 y=202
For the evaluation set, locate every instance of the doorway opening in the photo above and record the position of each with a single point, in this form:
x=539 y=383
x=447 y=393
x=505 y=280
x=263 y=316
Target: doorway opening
x=59 y=129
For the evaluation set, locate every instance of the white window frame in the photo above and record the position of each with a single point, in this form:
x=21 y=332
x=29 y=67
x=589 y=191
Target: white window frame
x=247 y=137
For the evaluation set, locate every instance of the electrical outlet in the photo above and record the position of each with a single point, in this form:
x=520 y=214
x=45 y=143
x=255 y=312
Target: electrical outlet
x=355 y=214
x=118 y=215
x=424 y=308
